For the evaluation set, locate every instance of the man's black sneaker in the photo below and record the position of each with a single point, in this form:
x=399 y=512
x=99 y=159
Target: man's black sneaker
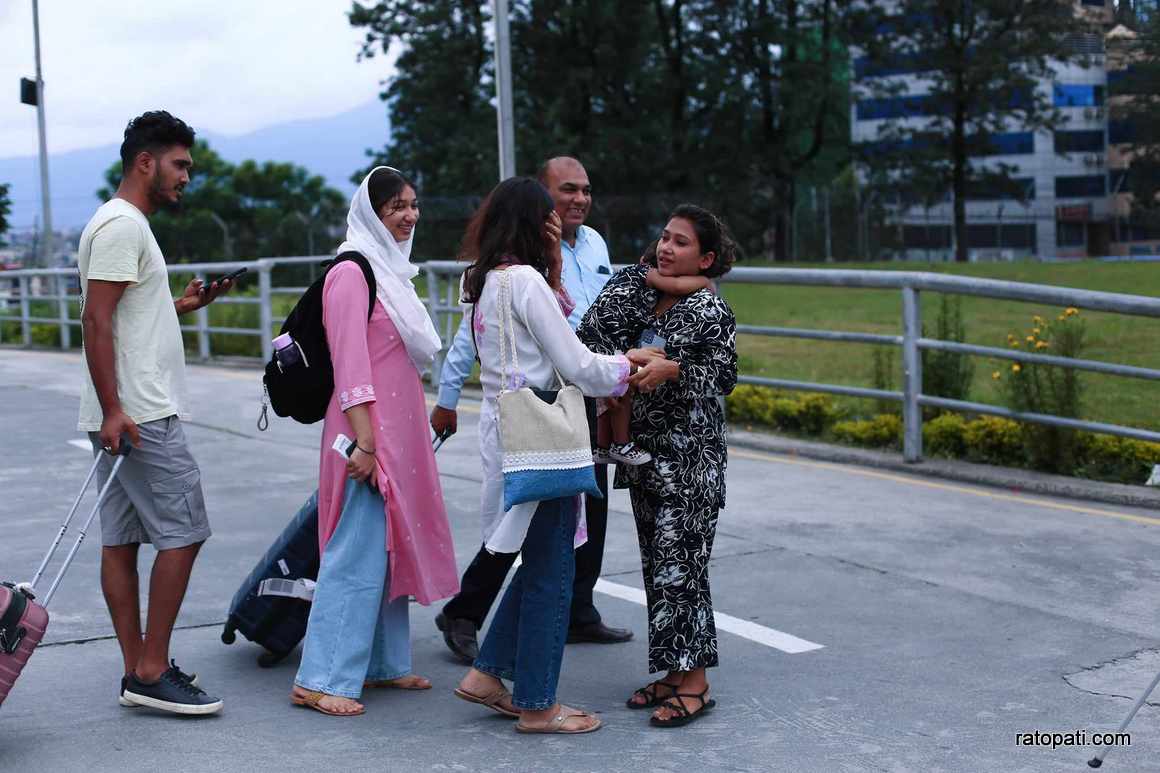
x=172 y=692
x=191 y=678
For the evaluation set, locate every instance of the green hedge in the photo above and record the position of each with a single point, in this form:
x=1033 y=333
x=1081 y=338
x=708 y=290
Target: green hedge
x=984 y=439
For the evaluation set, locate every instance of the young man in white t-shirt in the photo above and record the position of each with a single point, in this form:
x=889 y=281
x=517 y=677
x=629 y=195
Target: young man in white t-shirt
x=135 y=389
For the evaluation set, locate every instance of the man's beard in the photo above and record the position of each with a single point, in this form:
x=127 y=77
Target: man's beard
x=159 y=199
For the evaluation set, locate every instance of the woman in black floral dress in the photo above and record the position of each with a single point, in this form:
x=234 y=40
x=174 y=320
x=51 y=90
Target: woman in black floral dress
x=676 y=417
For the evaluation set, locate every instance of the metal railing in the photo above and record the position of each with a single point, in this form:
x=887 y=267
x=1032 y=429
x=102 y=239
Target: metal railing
x=442 y=286
x=910 y=284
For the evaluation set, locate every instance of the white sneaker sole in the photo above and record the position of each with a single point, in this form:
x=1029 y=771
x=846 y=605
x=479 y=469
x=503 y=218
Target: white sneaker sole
x=173 y=708
x=121 y=699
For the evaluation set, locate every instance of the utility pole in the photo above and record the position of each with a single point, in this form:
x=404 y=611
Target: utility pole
x=503 y=91
x=45 y=201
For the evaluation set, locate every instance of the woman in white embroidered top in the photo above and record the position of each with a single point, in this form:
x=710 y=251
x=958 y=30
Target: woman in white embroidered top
x=517 y=231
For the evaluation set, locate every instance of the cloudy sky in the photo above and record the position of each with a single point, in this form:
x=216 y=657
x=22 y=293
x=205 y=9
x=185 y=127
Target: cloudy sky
x=228 y=66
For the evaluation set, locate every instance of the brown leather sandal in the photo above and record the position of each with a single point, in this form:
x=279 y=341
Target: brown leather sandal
x=556 y=724
x=401 y=683
x=311 y=699
x=491 y=700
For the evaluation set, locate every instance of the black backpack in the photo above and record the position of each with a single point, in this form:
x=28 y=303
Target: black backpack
x=303 y=391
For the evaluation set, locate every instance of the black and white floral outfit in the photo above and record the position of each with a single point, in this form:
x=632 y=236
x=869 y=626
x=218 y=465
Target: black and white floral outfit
x=677 y=498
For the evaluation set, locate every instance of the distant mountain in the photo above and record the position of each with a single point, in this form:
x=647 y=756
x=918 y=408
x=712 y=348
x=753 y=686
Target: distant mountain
x=333 y=147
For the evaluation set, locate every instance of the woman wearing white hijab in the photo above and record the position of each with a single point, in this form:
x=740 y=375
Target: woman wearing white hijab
x=382 y=526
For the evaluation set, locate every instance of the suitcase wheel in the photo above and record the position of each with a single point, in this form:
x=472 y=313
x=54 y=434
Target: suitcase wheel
x=228 y=636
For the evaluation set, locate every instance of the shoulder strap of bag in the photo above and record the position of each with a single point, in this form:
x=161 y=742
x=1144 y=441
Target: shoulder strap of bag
x=368 y=275
x=509 y=332
x=474 y=342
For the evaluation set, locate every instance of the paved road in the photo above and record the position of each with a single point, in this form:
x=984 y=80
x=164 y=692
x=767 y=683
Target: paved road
x=950 y=619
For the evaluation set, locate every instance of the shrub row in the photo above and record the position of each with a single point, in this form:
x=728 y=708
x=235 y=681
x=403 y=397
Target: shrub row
x=984 y=439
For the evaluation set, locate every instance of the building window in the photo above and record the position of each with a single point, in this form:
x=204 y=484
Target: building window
x=895 y=107
x=1008 y=144
x=1079 y=142
x=1020 y=236
x=1080 y=186
x=1070 y=234
x=1120 y=131
x=926 y=237
x=895 y=64
x=1067 y=95
x=1015 y=189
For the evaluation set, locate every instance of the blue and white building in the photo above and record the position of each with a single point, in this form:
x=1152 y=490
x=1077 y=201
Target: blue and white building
x=1068 y=207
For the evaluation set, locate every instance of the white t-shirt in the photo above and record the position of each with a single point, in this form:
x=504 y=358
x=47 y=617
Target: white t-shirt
x=118 y=246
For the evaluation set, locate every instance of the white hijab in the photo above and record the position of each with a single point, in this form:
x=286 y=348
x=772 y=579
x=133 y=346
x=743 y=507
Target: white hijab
x=391 y=261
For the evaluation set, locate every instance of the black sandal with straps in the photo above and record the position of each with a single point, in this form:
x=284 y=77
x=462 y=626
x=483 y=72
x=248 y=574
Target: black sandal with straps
x=650 y=693
x=683 y=715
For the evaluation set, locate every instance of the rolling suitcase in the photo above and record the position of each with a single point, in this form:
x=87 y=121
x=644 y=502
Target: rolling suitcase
x=268 y=608
x=278 y=623
x=23 y=620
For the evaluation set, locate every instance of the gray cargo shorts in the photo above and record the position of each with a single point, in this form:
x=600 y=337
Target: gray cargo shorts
x=157 y=495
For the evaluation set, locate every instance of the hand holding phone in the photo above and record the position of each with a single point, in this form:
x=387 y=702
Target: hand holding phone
x=231 y=277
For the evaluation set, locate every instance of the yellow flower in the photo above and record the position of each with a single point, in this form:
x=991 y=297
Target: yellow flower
x=995 y=375
x=1030 y=339
x=1070 y=311
x=1041 y=344
x=1016 y=368
x=1015 y=344
x=1062 y=318
x=1038 y=320
x=1035 y=330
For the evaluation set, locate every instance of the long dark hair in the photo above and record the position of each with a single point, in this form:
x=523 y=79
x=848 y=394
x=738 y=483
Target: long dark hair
x=507 y=228
x=713 y=236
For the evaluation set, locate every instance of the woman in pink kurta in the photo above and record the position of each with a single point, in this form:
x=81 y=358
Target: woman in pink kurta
x=371 y=367
x=382 y=525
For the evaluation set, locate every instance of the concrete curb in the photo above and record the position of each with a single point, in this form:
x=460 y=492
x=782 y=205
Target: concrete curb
x=1023 y=481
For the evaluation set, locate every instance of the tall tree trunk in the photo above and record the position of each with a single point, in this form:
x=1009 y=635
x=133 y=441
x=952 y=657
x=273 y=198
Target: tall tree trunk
x=959 y=162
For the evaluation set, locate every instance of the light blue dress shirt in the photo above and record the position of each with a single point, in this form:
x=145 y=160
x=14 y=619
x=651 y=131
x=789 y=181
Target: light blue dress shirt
x=585 y=271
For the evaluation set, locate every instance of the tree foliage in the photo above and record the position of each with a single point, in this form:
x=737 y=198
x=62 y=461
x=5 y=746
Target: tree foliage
x=1139 y=110
x=725 y=103
x=244 y=211
x=5 y=211
x=980 y=62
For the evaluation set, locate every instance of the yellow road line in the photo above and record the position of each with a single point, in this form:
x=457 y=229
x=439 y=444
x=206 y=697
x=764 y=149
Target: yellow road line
x=1024 y=500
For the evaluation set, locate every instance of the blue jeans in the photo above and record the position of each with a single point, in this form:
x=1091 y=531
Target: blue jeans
x=525 y=642
x=354 y=635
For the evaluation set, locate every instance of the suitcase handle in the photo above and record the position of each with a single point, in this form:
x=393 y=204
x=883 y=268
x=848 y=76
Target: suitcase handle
x=125 y=446
x=124 y=450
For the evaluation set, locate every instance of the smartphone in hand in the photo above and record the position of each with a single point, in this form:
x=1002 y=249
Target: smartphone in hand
x=232 y=277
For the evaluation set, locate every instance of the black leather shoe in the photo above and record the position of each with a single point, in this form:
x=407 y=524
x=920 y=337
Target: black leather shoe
x=459 y=635
x=598 y=633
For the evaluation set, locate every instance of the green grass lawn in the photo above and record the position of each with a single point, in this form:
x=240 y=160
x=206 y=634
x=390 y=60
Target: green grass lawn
x=1111 y=337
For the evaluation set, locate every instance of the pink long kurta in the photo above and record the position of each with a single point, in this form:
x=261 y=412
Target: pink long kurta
x=371 y=366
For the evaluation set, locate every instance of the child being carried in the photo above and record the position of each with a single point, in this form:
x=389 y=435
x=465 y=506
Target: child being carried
x=614 y=414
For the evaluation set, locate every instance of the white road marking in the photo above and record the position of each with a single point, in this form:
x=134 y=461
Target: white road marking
x=744 y=628
x=83 y=445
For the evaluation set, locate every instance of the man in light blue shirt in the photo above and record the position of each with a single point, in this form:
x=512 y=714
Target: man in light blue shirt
x=585 y=271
